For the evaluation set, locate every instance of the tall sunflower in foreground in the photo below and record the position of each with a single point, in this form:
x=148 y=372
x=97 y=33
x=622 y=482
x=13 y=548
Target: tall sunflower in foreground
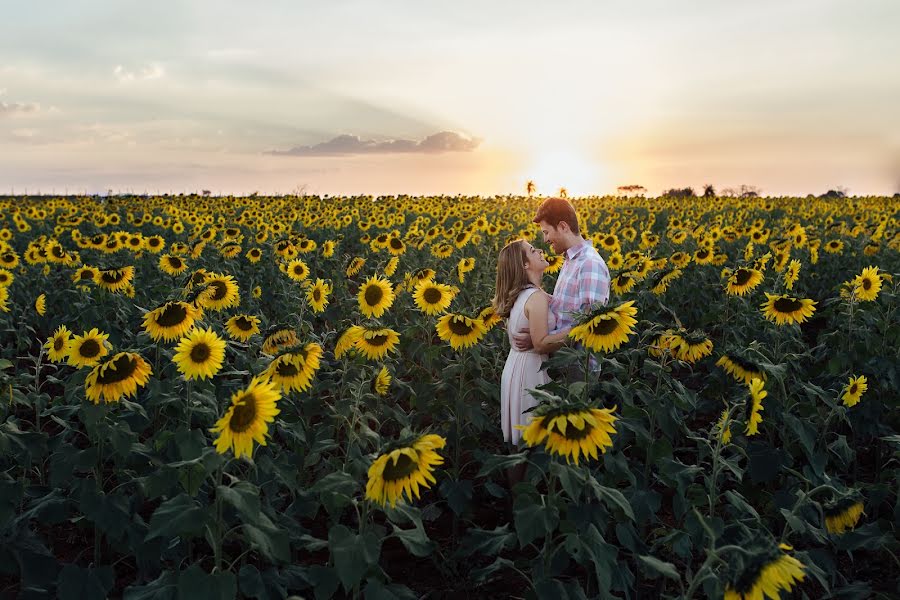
x=754 y=406
x=242 y=327
x=571 y=430
x=460 y=330
x=170 y=321
x=764 y=571
x=87 y=349
x=784 y=310
x=58 y=345
x=119 y=376
x=317 y=295
x=375 y=296
x=606 y=330
x=200 y=354
x=433 y=298
x=743 y=281
x=403 y=468
x=247 y=418
x=867 y=284
x=854 y=390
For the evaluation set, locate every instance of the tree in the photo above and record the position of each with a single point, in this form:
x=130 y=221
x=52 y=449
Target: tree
x=709 y=191
x=563 y=192
x=624 y=190
x=530 y=188
x=687 y=192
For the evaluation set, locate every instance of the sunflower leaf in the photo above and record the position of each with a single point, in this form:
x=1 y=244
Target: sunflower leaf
x=655 y=567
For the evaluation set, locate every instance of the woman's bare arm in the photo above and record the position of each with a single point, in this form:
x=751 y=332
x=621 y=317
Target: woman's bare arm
x=536 y=310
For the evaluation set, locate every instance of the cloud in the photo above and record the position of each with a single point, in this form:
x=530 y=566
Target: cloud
x=149 y=71
x=14 y=109
x=342 y=145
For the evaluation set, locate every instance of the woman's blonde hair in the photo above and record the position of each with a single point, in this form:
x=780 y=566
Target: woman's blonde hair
x=511 y=277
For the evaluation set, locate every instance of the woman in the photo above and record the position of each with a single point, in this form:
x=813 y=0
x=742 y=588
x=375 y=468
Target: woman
x=520 y=299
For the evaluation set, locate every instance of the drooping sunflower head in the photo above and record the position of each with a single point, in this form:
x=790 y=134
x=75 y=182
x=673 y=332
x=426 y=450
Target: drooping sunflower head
x=693 y=346
x=242 y=327
x=606 y=329
x=740 y=368
x=170 y=321
x=278 y=338
x=403 y=468
x=375 y=296
x=220 y=292
x=663 y=279
x=791 y=274
x=115 y=280
x=763 y=569
x=199 y=354
x=842 y=513
x=247 y=418
x=382 y=381
x=375 y=342
x=117 y=377
x=355 y=266
x=754 y=405
x=623 y=283
x=785 y=310
x=571 y=430
x=294 y=370
x=489 y=317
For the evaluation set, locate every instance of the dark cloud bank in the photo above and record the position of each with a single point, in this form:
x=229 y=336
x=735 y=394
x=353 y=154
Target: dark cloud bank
x=444 y=141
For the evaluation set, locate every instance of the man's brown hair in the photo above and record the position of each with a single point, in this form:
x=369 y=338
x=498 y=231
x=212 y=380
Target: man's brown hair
x=556 y=210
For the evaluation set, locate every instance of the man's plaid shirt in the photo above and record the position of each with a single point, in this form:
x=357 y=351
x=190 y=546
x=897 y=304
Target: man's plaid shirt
x=583 y=281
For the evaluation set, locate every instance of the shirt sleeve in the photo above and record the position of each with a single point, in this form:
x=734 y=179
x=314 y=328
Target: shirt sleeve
x=593 y=285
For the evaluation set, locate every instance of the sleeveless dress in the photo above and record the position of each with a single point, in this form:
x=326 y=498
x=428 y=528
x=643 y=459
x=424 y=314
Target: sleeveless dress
x=521 y=372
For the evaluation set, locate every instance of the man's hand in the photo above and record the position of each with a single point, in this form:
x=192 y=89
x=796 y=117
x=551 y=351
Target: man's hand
x=522 y=341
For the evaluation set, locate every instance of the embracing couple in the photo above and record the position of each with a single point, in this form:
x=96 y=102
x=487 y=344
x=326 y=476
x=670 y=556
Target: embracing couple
x=537 y=323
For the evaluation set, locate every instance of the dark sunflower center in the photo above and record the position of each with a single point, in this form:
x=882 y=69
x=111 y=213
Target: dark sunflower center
x=404 y=468
x=154 y=242
x=299 y=270
x=573 y=433
x=200 y=353
x=119 y=369
x=220 y=290
x=58 y=343
x=853 y=389
x=609 y=241
x=287 y=368
x=604 y=327
x=377 y=340
x=244 y=414
x=396 y=244
x=243 y=323
x=317 y=294
x=373 y=295
x=175 y=262
x=459 y=327
x=702 y=253
x=172 y=314
x=113 y=276
x=85 y=275
x=134 y=242
x=254 y=252
x=8 y=258
x=89 y=348
x=867 y=283
x=742 y=276
x=432 y=295
x=787 y=305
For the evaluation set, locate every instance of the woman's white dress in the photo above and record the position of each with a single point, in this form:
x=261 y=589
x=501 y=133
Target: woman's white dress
x=522 y=372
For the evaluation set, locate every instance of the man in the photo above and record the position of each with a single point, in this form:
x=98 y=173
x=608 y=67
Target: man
x=584 y=278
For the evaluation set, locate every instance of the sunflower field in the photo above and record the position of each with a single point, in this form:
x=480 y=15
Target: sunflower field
x=272 y=397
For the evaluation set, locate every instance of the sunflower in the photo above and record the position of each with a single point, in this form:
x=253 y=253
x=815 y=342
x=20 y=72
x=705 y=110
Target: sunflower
x=623 y=283
x=382 y=382
x=764 y=573
x=834 y=246
x=615 y=262
x=279 y=338
x=704 y=256
x=296 y=270
x=391 y=267
x=433 y=298
x=328 y=249
x=119 y=376
x=724 y=427
x=460 y=330
x=403 y=469
x=755 y=407
x=442 y=250
x=693 y=346
x=395 y=246
x=783 y=309
x=115 y=280
x=242 y=327
x=555 y=263
x=40 y=305
x=85 y=274
x=854 y=390
x=221 y=292
x=9 y=259
x=375 y=296
x=867 y=284
x=375 y=342
x=295 y=370
x=154 y=244
x=199 y=354
x=489 y=317
x=347 y=341
x=247 y=417
x=606 y=330
x=792 y=274
x=254 y=255
x=355 y=266
x=411 y=280
x=170 y=321
x=58 y=345
x=87 y=349
x=317 y=295
x=662 y=280
x=571 y=430
x=740 y=368
x=464 y=266
x=742 y=281
x=843 y=514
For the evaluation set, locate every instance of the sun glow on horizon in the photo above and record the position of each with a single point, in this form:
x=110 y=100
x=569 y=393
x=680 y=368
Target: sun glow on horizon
x=559 y=168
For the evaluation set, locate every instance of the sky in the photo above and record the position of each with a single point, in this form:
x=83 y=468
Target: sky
x=388 y=97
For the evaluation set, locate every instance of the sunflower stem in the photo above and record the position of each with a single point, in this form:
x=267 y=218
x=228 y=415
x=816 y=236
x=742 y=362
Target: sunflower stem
x=188 y=403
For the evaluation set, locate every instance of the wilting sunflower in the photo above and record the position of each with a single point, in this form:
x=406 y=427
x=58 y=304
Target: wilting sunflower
x=723 y=426
x=460 y=330
x=221 y=292
x=382 y=382
x=317 y=295
x=347 y=341
x=762 y=571
x=692 y=346
x=842 y=514
x=403 y=468
x=355 y=266
x=740 y=368
x=742 y=281
x=571 y=430
x=375 y=342
x=489 y=317
x=784 y=310
x=295 y=370
x=119 y=376
x=199 y=354
x=433 y=298
x=87 y=349
x=375 y=296
x=242 y=327
x=296 y=270
x=58 y=345
x=606 y=330
x=278 y=338
x=40 y=305
x=391 y=267
x=755 y=407
x=623 y=283
x=867 y=284
x=792 y=274
x=170 y=321
x=115 y=280
x=661 y=281
x=85 y=274
x=247 y=418
x=854 y=390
